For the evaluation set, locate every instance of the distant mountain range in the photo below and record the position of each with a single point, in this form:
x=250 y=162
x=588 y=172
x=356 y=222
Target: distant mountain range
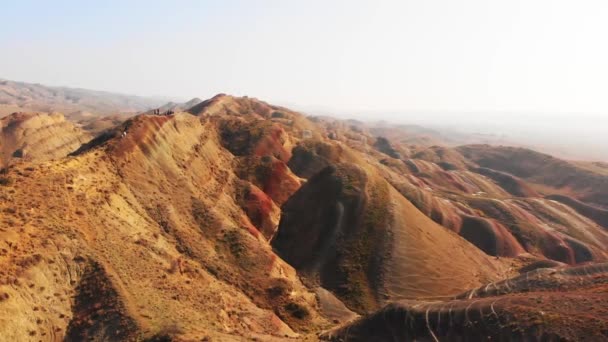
x=21 y=96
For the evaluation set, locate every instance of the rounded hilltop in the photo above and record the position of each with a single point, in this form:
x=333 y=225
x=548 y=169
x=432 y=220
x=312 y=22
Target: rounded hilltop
x=234 y=219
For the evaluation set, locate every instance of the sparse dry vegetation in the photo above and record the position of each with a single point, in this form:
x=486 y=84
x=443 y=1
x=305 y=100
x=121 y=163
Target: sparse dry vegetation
x=162 y=233
x=5 y=181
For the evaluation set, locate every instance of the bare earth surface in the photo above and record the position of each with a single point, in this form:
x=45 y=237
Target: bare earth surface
x=231 y=219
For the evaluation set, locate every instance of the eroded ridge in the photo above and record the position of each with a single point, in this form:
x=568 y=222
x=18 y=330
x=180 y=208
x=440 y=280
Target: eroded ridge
x=543 y=279
x=542 y=305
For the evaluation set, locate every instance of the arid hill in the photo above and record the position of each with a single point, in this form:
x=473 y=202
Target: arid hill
x=553 y=175
x=189 y=261
x=239 y=220
x=501 y=214
x=346 y=230
x=37 y=137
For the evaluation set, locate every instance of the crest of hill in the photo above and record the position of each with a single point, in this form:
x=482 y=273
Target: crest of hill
x=155 y=225
x=176 y=106
x=222 y=104
x=553 y=175
x=344 y=229
x=37 y=137
x=192 y=227
x=410 y=134
x=98 y=125
x=447 y=158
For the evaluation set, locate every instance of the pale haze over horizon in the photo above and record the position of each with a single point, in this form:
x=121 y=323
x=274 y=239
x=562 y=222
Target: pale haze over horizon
x=545 y=60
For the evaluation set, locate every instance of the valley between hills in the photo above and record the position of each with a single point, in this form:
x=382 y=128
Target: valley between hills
x=232 y=219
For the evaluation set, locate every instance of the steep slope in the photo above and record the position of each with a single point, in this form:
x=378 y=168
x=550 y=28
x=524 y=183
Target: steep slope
x=501 y=214
x=353 y=234
x=241 y=220
x=37 y=137
x=154 y=214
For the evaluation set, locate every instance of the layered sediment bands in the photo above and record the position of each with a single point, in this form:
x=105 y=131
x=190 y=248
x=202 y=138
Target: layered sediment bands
x=486 y=234
x=547 y=228
x=360 y=239
x=244 y=136
x=37 y=137
x=519 y=309
x=513 y=185
x=414 y=268
x=440 y=210
x=535 y=225
x=226 y=105
x=203 y=217
x=164 y=228
x=434 y=177
x=157 y=210
x=271 y=175
x=491 y=237
x=447 y=158
x=555 y=175
x=260 y=208
x=598 y=215
x=263 y=148
x=311 y=156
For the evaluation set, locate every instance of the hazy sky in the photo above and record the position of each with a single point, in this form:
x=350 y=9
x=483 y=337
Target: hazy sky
x=476 y=55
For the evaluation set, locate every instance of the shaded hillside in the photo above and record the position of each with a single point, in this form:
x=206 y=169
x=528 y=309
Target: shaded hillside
x=241 y=220
x=190 y=263
x=347 y=230
x=511 y=184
